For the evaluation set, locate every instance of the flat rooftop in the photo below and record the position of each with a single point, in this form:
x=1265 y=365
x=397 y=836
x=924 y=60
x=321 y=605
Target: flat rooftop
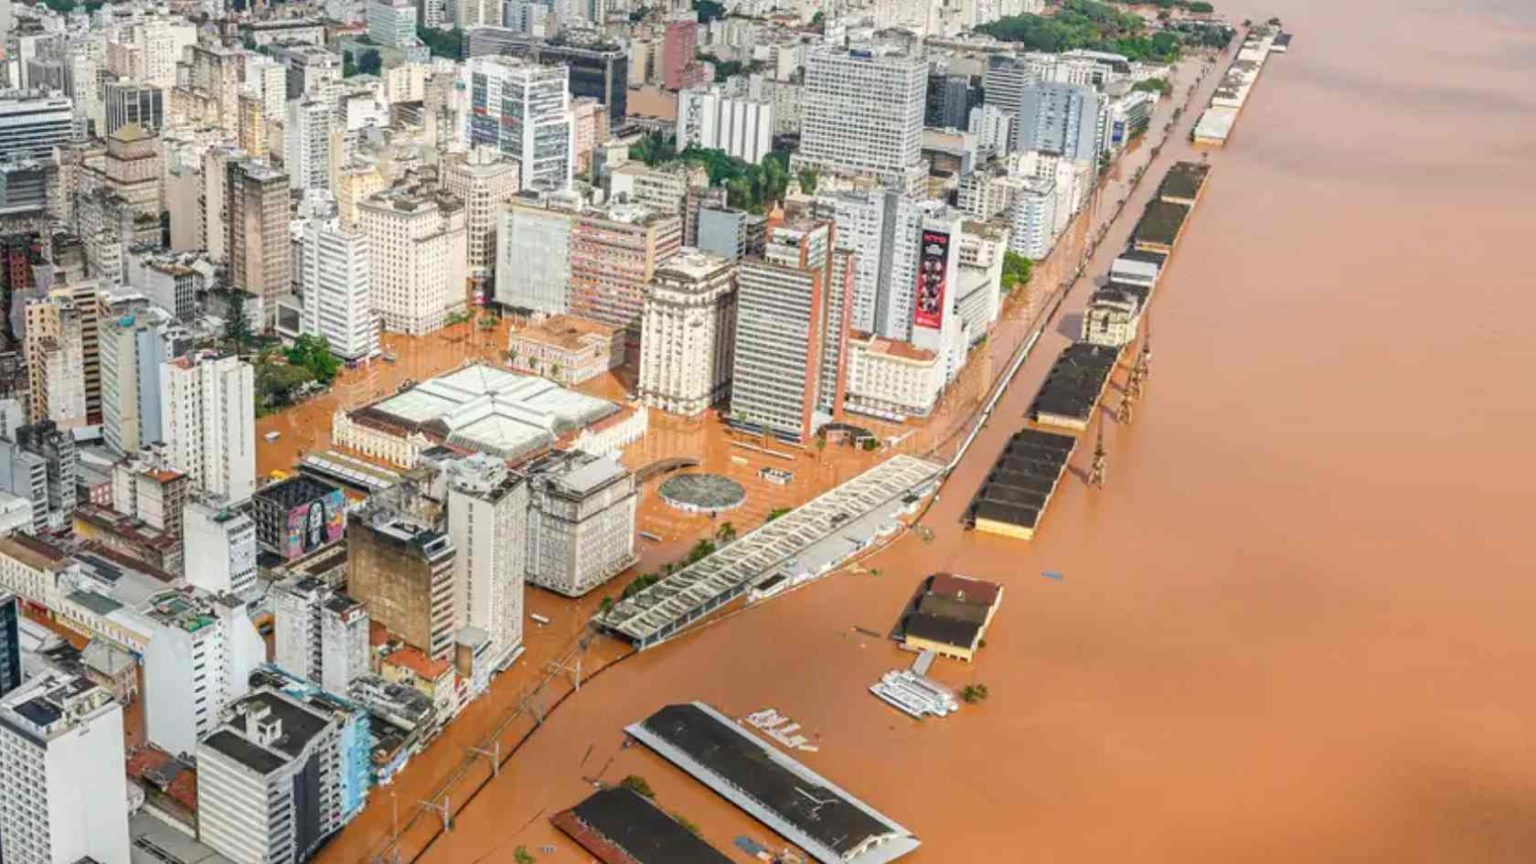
x=296 y=490
x=1161 y=223
x=804 y=807
x=1032 y=460
x=621 y=821
x=1074 y=384
x=1184 y=181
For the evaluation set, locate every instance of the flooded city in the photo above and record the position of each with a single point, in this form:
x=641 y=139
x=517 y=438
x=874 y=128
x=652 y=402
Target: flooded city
x=1292 y=625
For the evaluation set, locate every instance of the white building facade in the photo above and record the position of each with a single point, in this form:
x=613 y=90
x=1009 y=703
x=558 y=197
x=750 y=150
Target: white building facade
x=208 y=406
x=688 y=333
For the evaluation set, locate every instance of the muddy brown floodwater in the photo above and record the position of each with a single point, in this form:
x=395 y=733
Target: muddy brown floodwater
x=1295 y=625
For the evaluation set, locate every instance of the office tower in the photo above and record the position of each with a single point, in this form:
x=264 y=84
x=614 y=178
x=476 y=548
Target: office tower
x=320 y=634
x=32 y=124
x=533 y=241
x=992 y=128
x=298 y=516
x=145 y=488
x=312 y=70
x=417 y=250
x=63 y=790
x=590 y=122
x=267 y=80
x=136 y=340
x=1032 y=214
x=687 y=338
x=1008 y=76
x=10 y=643
x=391 y=22
x=488 y=523
x=949 y=101
x=281 y=775
x=307 y=148
x=476 y=13
x=1061 y=119
x=780 y=329
x=402 y=568
x=133 y=102
x=581 y=521
x=258 y=241
x=25 y=475
x=335 y=280
x=598 y=70
x=614 y=254
x=208 y=422
x=162 y=44
x=54 y=449
x=484 y=181
x=214 y=74
x=680 y=47
x=523 y=110
x=713 y=119
x=863 y=115
x=722 y=231
x=55 y=350
x=202 y=648
x=219 y=547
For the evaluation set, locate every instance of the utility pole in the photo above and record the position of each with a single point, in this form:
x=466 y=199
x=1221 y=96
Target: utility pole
x=1096 y=471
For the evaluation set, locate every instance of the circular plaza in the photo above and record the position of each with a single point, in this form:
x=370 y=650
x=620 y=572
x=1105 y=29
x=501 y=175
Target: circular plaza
x=702 y=493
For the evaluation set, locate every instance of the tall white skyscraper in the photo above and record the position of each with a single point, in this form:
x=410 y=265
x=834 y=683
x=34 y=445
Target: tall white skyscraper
x=417 y=257
x=319 y=633
x=307 y=137
x=863 y=115
x=1061 y=119
x=524 y=110
x=136 y=339
x=391 y=22
x=488 y=523
x=62 y=787
x=334 y=277
x=201 y=651
x=208 y=422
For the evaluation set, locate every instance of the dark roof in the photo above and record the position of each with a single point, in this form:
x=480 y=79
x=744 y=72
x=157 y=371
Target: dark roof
x=1184 y=181
x=826 y=815
x=244 y=752
x=1161 y=223
x=299 y=725
x=639 y=828
x=40 y=710
x=953 y=609
x=1008 y=514
x=296 y=490
x=1033 y=460
x=1146 y=256
x=1075 y=381
x=946 y=631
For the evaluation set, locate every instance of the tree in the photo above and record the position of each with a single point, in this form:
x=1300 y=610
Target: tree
x=709 y=10
x=442 y=43
x=636 y=784
x=554 y=370
x=807 y=179
x=370 y=62
x=686 y=823
x=278 y=384
x=237 y=324
x=606 y=606
x=871 y=444
x=725 y=533
x=521 y=855
x=973 y=694
x=1016 y=270
x=1160 y=86
x=314 y=353
x=776 y=513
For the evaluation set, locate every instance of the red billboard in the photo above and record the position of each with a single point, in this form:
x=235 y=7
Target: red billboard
x=932 y=266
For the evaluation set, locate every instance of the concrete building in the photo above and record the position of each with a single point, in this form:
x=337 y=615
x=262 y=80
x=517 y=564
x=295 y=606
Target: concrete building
x=598 y=70
x=488 y=524
x=581 y=521
x=725 y=232
x=257 y=239
x=392 y=22
x=402 y=569
x=62 y=789
x=146 y=488
x=892 y=380
x=417 y=252
x=208 y=422
x=42 y=467
x=320 y=634
x=566 y=350
x=280 y=775
x=614 y=255
x=780 y=330
x=201 y=651
x=714 y=119
x=33 y=123
x=54 y=344
x=484 y=180
x=663 y=188
x=1062 y=119
x=136 y=340
x=524 y=111
x=298 y=516
x=307 y=146
x=687 y=341
x=992 y=128
x=680 y=41
x=1032 y=214
x=533 y=261
x=335 y=279
x=219 y=548
x=863 y=115
x=10 y=641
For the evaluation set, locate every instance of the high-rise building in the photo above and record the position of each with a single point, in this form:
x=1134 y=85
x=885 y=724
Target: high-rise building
x=134 y=102
x=281 y=775
x=298 y=516
x=39 y=463
x=484 y=181
x=523 y=110
x=54 y=345
x=680 y=48
x=208 y=422
x=335 y=279
x=10 y=643
x=780 y=330
x=992 y=128
x=259 y=246
x=1061 y=119
x=62 y=788
x=614 y=254
x=488 y=523
x=598 y=70
x=392 y=22
x=402 y=569
x=1032 y=213
x=713 y=119
x=950 y=99
x=863 y=115
x=136 y=340
x=533 y=258
x=320 y=634
x=581 y=521
x=307 y=149
x=145 y=488
x=201 y=652
x=722 y=231
x=219 y=546
x=417 y=250
x=32 y=124
x=687 y=340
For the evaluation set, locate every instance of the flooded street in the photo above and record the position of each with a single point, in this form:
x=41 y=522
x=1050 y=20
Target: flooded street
x=1295 y=623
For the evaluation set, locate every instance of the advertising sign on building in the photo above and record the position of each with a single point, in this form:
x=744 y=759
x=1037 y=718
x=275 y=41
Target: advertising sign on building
x=315 y=524
x=932 y=263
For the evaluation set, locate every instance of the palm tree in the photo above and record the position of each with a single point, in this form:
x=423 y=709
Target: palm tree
x=725 y=533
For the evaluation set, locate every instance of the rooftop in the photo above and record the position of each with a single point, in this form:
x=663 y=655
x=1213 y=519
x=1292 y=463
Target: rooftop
x=1075 y=382
x=294 y=491
x=567 y=332
x=1183 y=181
x=620 y=820
x=1161 y=223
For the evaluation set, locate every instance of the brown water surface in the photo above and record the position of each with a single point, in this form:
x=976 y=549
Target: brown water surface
x=1296 y=623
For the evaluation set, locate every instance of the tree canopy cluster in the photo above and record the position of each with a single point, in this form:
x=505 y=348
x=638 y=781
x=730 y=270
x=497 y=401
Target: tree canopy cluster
x=748 y=186
x=708 y=10
x=442 y=43
x=1087 y=24
x=1016 y=270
